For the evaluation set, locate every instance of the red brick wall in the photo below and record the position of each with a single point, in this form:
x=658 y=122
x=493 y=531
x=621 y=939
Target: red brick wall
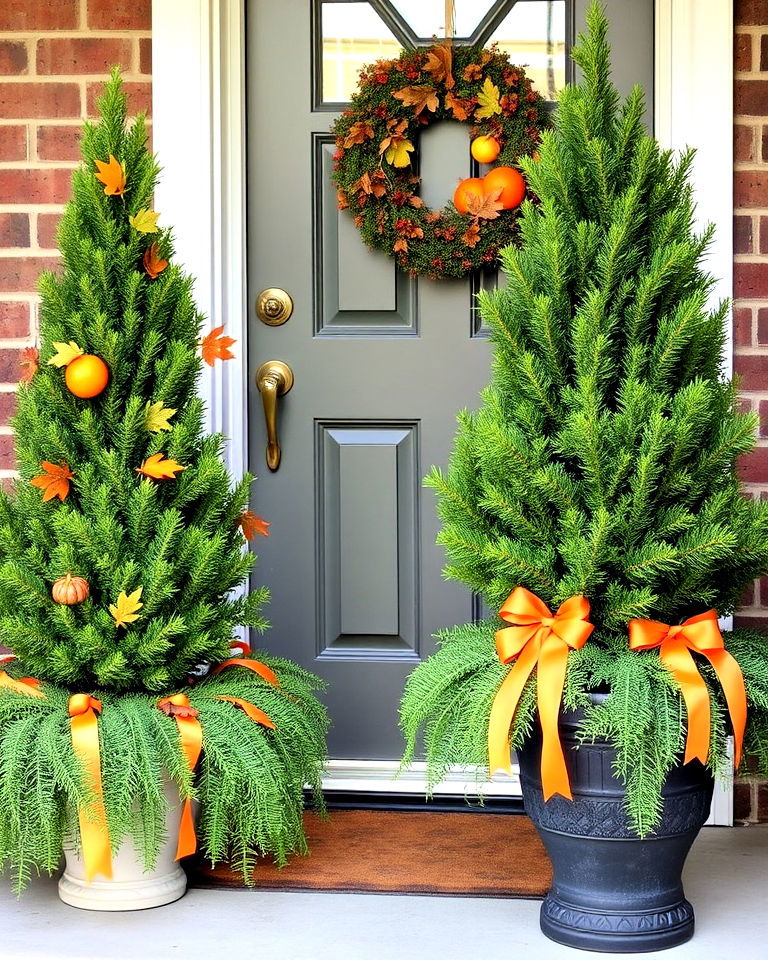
x=750 y=293
x=54 y=55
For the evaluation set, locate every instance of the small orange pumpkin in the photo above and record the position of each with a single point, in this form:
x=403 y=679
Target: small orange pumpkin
x=70 y=590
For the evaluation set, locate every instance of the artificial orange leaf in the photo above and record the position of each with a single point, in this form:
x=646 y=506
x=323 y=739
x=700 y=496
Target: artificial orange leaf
x=484 y=206
x=177 y=710
x=458 y=106
x=420 y=98
x=55 y=480
x=473 y=71
x=158 y=468
x=341 y=200
x=145 y=221
x=358 y=133
x=153 y=262
x=216 y=347
x=487 y=100
x=65 y=353
x=29 y=363
x=112 y=175
x=368 y=184
x=440 y=64
x=124 y=611
x=472 y=237
x=251 y=524
x=400 y=244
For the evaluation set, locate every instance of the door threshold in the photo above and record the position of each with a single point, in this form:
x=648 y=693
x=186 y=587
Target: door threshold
x=376 y=784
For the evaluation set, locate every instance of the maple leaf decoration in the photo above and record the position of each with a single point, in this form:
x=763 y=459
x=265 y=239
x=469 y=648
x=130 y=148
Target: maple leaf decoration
x=158 y=468
x=65 y=353
x=145 y=221
x=177 y=709
x=55 y=481
x=487 y=100
x=156 y=417
x=358 y=133
x=251 y=524
x=124 y=611
x=439 y=65
x=458 y=106
x=112 y=175
x=418 y=97
x=29 y=363
x=396 y=146
x=472 y=237
x=484 y=206
x=153 y=262
x=216 y=347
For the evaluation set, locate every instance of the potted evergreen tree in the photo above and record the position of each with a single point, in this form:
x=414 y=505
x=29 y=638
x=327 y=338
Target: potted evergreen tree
x=593 y=500
x=122 y=544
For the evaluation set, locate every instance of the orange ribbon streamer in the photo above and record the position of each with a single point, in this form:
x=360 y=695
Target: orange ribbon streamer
x=94 y=833
x=258 y=716
x=536 y=639
x=256 y=665
x=700 y=634
x=191 y=736
x=26 y=685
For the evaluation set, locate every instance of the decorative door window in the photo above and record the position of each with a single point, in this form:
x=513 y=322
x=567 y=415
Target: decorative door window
x=349 y=34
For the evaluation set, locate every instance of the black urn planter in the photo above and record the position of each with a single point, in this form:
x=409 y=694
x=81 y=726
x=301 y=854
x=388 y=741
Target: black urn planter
x=612 y=891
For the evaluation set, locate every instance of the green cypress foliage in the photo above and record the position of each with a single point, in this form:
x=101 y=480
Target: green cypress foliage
x=602 y=460
x=178 y=539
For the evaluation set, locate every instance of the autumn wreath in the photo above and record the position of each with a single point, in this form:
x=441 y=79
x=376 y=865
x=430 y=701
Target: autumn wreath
x=376 y=165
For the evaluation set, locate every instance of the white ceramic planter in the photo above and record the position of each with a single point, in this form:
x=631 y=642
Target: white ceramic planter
x=130 y=887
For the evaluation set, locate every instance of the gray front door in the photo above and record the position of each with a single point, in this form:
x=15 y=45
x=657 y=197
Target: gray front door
x=382 y=363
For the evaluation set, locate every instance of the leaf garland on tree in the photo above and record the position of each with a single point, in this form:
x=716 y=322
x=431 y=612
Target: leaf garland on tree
x=376 y=158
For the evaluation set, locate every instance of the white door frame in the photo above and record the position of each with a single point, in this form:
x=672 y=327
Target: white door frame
x=198 y=123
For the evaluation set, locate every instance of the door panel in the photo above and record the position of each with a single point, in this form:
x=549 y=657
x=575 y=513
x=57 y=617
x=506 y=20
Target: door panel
x=382 y=363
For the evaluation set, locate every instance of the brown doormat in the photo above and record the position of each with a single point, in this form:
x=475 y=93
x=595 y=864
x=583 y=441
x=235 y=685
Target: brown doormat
x=375 y=851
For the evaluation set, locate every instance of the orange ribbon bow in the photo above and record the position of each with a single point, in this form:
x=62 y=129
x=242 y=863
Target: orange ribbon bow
x=191 y=736
x=702 y=635
x=94 y=833
x=536 y=639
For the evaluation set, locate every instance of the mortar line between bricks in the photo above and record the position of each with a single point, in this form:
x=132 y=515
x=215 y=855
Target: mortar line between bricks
x=80 y=34
x=59 y=78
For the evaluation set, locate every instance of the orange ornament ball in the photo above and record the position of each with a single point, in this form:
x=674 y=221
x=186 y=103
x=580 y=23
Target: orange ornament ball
x=511 y=184
x=471 y=187
x=86 y=376
x=485 y=149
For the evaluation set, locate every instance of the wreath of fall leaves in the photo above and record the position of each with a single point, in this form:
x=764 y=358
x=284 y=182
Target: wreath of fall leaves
x=376 y=159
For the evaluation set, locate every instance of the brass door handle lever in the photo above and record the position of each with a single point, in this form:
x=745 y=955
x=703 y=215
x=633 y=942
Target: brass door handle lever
x=274 y=379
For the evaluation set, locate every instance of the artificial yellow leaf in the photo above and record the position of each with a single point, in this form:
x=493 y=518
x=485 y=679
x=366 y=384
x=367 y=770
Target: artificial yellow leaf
x=397 y=152
x=487 y=100
x=65 y=353
x=145 y=221
x=158 y=468
x=156 y=417
x=124 y=611
x=112 y=175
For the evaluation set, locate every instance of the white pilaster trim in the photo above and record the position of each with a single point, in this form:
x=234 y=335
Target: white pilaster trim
x=198 y=103
x=694 y=108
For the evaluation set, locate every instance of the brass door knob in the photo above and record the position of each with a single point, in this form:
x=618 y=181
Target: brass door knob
x=273 y=306
x=274 y=379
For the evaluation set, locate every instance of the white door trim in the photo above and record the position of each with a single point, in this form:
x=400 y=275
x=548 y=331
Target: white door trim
x=198 y=102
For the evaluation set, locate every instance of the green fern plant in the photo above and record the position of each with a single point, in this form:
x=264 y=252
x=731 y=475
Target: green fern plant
x=602 y=460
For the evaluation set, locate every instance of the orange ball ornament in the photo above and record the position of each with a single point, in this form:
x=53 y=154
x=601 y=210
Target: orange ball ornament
x=485 y=149
x=86 y=376
x=511 y=184
x=472 y=186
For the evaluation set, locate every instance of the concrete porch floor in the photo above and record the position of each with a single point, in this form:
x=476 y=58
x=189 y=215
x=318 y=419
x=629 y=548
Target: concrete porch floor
x=726 y=880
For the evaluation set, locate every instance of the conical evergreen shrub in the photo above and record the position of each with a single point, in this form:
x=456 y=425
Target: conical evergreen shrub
x=602 y=461
x=122 y=489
